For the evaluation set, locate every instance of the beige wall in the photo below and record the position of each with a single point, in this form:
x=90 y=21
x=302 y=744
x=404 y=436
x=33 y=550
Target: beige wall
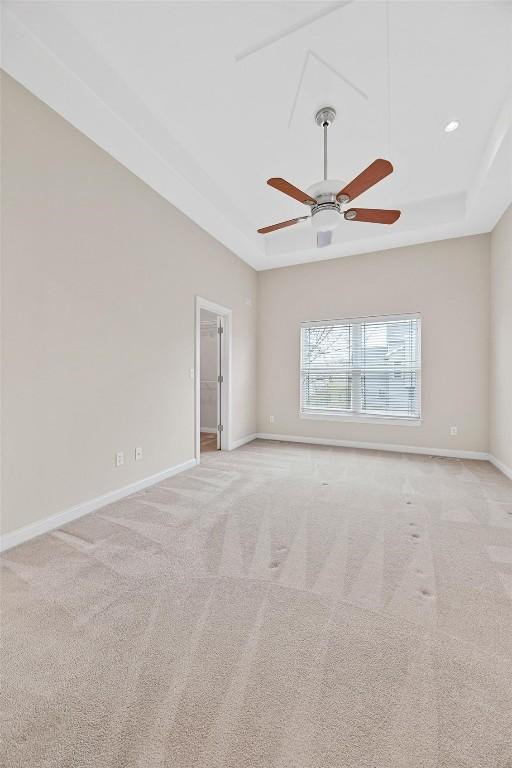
x=447 y=282
x=99 y=278
x=501 y=341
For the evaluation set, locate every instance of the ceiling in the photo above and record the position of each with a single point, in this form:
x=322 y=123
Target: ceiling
x=205 y=101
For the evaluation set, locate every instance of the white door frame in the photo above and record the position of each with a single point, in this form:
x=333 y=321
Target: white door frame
x=226 y=315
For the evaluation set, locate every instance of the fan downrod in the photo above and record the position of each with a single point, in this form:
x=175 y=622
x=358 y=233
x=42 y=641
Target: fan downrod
x=324 y=118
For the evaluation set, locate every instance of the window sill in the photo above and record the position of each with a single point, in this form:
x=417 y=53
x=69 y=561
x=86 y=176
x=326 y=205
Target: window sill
x=389 y=420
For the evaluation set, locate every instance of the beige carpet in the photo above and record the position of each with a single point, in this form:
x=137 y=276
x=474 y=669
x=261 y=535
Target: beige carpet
x=280 y=606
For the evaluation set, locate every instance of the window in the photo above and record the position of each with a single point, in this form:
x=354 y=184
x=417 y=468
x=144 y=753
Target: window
x=364 y=369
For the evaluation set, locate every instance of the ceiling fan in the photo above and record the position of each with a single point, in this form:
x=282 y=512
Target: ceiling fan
x=327 y=201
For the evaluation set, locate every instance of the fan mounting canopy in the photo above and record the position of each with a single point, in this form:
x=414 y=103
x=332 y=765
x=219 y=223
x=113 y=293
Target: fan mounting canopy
x=325 y=117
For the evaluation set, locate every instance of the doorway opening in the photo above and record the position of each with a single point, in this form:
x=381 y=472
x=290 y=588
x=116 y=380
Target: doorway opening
x=212 y=378
x=210 y=381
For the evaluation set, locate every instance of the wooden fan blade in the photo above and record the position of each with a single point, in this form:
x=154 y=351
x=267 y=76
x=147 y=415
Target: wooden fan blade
x=375 y=172
x=281 y=224
x=284 y=186
x=373 y=215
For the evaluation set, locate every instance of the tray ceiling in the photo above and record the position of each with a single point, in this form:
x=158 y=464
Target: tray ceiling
x=205 y=101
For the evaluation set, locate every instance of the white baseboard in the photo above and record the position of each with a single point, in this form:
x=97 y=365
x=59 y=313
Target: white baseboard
x=9 y=540
x=208 y=430
x=507 y=471
x=243 y=441
x=448 y=452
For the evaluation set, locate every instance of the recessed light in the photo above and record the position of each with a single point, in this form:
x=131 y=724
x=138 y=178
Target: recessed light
x=451 y=126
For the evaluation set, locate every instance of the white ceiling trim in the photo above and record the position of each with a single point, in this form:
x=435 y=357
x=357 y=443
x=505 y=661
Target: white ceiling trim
x=26 y=58
x=496 y=157
x=275 y=38
x=312 y=55
x=368 y=245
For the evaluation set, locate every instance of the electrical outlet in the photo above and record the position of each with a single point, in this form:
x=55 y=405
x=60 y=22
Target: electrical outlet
x=191 y=373
x=119 y=458
x=271 y=419
x=453 y=431
x=138 y=453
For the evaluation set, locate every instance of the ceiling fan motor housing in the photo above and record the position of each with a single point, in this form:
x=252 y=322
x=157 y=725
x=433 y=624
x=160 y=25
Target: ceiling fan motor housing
x=325 y=214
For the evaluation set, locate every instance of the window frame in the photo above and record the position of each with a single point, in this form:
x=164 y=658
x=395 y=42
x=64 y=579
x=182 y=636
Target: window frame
x=351 y=416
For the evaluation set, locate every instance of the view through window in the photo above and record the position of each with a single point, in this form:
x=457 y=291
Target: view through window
x=364 y=367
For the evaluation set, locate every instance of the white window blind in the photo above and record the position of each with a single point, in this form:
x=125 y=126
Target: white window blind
x=368 y=367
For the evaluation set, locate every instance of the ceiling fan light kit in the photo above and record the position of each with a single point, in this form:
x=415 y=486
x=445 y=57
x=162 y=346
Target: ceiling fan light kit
x=325 y=198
